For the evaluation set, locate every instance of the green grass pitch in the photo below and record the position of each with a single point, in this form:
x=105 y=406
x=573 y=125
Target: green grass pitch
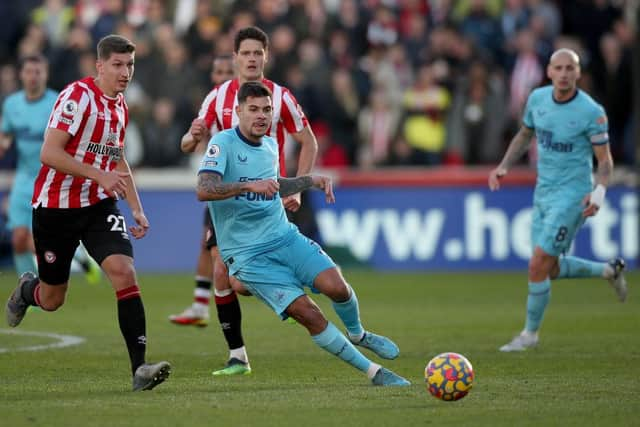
x=584 y=372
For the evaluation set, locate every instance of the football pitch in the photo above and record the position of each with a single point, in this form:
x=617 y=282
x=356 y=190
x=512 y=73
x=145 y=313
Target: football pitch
x=586 y=370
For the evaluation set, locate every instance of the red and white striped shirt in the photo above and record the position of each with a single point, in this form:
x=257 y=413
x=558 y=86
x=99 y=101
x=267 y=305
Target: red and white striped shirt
x=219 y=112
x=97 y=125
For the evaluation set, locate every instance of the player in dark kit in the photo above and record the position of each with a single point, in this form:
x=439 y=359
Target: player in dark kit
x=83 y=173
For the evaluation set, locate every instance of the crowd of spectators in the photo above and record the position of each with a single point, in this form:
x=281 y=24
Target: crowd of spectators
x=383 y=82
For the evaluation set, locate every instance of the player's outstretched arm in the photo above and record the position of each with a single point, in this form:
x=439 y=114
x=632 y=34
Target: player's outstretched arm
x=517 y=147
x=295 y=185
x=594 y=200
x=210 y=187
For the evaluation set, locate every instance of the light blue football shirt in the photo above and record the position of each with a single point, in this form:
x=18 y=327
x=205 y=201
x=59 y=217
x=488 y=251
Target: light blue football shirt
x=566 y=132
x=27 y=121
x=248 y=224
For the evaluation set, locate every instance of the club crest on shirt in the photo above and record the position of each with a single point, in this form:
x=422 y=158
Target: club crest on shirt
x=112 y=139
x=601 y=120
x=213 y=151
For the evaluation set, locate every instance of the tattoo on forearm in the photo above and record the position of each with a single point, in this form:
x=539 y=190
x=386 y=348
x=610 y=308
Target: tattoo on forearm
x=289 y=186
x=211 y=184
x=518 y=146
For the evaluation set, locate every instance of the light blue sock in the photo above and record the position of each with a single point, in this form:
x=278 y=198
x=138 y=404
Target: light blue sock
x=24 y=262
x=571 y=266
x=539 y=294
x=349 y=313
x=333 y=341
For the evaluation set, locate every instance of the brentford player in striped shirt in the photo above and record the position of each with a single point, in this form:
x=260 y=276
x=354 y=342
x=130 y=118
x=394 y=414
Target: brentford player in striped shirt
x=218 y=112
x=83 y=173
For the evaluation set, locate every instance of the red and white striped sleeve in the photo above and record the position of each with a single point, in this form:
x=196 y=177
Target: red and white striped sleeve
x=208 y=111
x=291 y=113
x=69 y=109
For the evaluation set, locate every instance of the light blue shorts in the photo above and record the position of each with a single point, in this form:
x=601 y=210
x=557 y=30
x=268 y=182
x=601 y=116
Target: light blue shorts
x=554 y=225
x=19 y=210
x=278 y=277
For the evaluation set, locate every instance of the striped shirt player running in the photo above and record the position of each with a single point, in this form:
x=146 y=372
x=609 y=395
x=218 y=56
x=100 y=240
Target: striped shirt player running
x=197 y=314
x=218 y=112
x=74 y=200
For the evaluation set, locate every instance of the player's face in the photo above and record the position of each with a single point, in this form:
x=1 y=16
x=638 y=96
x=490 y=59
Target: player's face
x=255 y=116
x=250 y=59
x=115 y=73
x=33 y=77
x=564 y=72
x=222 y=71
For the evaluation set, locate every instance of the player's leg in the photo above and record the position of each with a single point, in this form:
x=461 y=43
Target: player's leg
x=19 y=215
x=553 y=228
x=575 y=267
x=89 y=266
x=108 y=243
x=571 y=267
x=315 y=267
x=230 y=318
x=276 y=284
x=538 y=297
x=345 y=303
x=55 y=233
x=197 y=313
x=329 y=338
x=22 y=242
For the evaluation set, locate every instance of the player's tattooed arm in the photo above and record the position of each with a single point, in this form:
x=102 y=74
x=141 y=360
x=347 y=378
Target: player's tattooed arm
x=211 y=187
x=605 y=164
x=518 y=146
x=295 y=185
x=289 y=186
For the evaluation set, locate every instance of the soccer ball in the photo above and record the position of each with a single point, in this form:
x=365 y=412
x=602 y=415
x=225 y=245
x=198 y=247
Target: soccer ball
x=449 y=376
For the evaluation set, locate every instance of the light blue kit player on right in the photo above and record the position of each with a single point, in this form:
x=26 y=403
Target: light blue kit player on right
x=25 y=115
x=571 y=128
x=268 y=256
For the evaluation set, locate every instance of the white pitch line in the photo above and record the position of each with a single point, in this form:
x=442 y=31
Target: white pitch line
x=63 y=340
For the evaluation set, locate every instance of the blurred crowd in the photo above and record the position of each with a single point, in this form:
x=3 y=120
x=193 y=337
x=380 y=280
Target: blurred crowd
x=383 y=82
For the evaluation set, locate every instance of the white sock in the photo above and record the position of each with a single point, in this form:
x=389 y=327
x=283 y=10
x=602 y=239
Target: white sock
x=608 y=272
x=357 y=338
x=222 y=293
x=239 y=353
x=372 y=370
x=198 y=306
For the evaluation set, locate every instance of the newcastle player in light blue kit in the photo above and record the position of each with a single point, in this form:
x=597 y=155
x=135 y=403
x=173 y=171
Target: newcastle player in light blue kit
x=571 y=128
x=24 y=119
x=239 y=176
x=25 y=115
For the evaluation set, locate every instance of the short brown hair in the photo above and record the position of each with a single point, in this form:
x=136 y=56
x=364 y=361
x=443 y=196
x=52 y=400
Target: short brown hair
x=252 y=90
x=251 y=33
x=114 y=43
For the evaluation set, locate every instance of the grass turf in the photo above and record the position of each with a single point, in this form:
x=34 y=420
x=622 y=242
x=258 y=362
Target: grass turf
x=585 y=371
